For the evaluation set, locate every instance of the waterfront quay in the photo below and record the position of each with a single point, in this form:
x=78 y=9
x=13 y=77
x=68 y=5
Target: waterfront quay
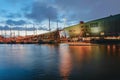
x=37 y=40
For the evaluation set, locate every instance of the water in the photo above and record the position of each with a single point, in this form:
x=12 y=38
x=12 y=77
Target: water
x=59 y=62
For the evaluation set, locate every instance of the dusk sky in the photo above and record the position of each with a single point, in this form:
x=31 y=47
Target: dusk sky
x=20 y=12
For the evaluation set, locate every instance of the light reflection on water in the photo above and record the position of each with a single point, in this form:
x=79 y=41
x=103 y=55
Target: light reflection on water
x=65 y=62
x=59 y=62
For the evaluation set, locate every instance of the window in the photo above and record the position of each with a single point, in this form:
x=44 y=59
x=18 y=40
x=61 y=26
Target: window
x=72 y=30
x=94 y=25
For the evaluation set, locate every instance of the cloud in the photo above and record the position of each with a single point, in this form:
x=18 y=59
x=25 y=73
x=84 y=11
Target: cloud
x=87 y=9
x=12 y=22
x=72 y=10
x=41 y=11
x=3 y=11
x=15 y=1
x=13 y=15
x=6 y=14
x=20 y=12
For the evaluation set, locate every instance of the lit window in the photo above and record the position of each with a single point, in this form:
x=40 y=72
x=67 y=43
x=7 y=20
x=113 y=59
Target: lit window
x=95 y=29
x=87 y=34
x=102 y=33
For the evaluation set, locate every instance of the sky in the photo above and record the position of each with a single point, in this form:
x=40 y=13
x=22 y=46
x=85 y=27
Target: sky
x=65 y=12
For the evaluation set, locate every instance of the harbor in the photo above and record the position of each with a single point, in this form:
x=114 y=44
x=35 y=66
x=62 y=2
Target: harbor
x=59 y=39
x=104 y=30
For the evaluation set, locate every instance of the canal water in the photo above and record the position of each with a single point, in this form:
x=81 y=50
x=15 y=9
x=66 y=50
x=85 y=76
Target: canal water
x=59 y=62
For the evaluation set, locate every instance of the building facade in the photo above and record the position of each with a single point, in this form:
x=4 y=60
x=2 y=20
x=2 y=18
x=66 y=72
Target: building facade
x=104 y=27
x=108 y=26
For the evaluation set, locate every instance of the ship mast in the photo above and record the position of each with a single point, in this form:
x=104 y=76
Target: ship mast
x=18 y=32
x=10 y=32
x=25 y=30
x=1 y=32
x=33 y=29
x=49 y=24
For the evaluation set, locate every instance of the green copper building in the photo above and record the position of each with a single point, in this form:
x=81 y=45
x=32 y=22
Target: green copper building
x=108 y=26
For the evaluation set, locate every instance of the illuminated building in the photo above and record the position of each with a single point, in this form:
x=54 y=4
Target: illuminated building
x=107 y=28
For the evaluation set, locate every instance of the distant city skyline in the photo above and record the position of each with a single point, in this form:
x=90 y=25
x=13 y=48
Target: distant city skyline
x=23 y=12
